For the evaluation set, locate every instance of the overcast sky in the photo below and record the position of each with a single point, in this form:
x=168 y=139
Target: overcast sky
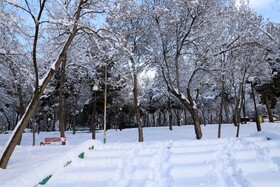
x=268 y=8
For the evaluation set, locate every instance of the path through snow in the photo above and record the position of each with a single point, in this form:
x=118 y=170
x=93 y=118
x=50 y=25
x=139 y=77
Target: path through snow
x=251 y=161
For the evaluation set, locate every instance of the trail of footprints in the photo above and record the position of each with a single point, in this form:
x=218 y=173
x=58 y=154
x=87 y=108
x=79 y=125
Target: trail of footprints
x=242 y=162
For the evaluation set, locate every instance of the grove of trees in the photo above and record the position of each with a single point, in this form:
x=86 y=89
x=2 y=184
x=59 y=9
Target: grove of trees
x=161 y=62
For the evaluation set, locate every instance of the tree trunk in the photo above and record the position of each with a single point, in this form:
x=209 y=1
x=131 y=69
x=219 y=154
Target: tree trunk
x=62 y=100
x=74 y=114
x=197 y=128
x=136 y=106
x=34 y=130
x=234 y=118
x=170 y=114
x=159 y=118
x=147 y=120
x=170 y=120
x=164 y=117
x=21 y=105
x=178 y=117
x=54 y=118
x=256 y=110
x=226 y=111
x=238 y=121
x=238 y=108
x=185 y=115
x=269 y=112
x=244 y=106
x=203 y=116
x=154 y=119
x=221 y=109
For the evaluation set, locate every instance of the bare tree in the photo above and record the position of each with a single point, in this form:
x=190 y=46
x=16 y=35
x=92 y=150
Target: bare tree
x=131 y=36
x=177 y=38
x=40 y=85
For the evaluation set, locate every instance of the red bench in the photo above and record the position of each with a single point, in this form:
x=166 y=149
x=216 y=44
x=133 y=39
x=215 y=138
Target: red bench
x=54 y=140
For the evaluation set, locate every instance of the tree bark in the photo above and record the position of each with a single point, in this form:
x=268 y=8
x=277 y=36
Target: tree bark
x=178 y=117
x=34 y=129
x=238 y=108
x=154 y=119
x=164 y=117
x=226 y=111
x=170 y=114
x=203 y=115
x=159 y=118
x=221 y=109
x=269 y=112
x=185 y=115
x=244 y=105
x=197 y=128
x=256 y=110
x=136 y=106
x=74 y=113
x=62 y=100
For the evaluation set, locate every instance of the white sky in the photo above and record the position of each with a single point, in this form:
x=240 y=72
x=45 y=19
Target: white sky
x=258 y=3
x=268 y=8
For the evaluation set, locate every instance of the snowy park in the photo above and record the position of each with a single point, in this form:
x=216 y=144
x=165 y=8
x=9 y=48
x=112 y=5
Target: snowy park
x=129 y=93
x=166 y=158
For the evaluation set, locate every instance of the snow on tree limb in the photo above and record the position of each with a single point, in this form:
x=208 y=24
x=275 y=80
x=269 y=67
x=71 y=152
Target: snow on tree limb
x=262 y=30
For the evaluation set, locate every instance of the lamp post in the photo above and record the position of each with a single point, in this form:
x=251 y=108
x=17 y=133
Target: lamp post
x=105 y=104
x=94 y=89
x=251 y=80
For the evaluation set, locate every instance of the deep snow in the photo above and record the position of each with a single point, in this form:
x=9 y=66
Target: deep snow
x=166 y=158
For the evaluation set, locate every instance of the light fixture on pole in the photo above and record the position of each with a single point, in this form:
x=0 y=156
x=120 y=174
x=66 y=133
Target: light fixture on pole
x=251 y=80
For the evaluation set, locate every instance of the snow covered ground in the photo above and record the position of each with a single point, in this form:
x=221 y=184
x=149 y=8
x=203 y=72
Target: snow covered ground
x=166 y=158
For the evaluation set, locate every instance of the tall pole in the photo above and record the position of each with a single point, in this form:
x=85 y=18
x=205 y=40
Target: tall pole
x=256 y=111
x=93 y=117
x=105 y=104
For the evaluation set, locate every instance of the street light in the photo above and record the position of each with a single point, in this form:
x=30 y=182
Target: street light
x=251 y=80
x=94 y=89
x=105 y=104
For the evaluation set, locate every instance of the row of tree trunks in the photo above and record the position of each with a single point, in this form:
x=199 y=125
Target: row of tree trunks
x=166 y=118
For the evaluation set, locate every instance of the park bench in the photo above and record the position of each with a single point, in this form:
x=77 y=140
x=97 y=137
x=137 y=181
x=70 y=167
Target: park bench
x=54 y=140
